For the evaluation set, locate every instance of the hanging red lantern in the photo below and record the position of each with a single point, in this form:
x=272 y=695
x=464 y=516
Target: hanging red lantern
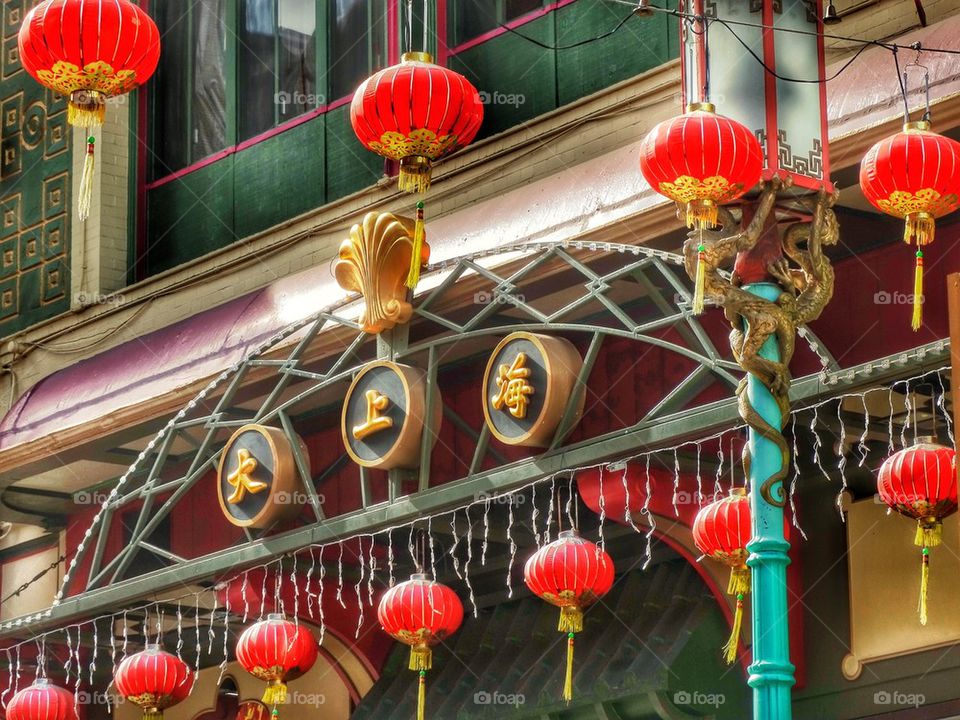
x=721 y=531
x=277 y=651
x=42 y=701
x=571 y=573
x=88 y=51
x=416 y=112
x=701 y=160
x=921 y=482
x=420 y=613
x=153 y=680
x=914 y=175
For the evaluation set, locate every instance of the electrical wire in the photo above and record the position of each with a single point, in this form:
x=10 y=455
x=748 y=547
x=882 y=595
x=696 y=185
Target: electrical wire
x=579 y=43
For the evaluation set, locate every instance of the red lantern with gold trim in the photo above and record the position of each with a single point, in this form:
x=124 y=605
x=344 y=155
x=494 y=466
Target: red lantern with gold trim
x=921 y=482
x=416 y=112
x=153 y=680
x=277 y=651
x=420 y=613
x=571 y=573
x=914 y=175
x=721 y=531
x=42 y=701
x=89 y=50
x=701 y=160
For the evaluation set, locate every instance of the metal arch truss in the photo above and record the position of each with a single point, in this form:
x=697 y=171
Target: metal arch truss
x=598 y=291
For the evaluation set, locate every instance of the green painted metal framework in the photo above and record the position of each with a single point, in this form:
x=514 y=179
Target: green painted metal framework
x=297 y=378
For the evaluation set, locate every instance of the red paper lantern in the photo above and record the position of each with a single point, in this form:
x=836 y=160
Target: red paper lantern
x=420 y=613
x=721 y=531
x=153 y=680
x=89 y=50
x=921 y=482
x=416 y=112
x=571 y=573
x=276 y=650
x=42 y=701
x=701 y=160
x=914 y=175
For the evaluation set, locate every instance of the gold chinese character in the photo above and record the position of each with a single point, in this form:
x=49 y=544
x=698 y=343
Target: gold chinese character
x=376 y=404
x=512 y=381
x=241 y=480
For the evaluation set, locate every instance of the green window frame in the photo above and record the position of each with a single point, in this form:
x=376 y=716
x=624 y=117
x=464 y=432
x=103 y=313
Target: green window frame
x=469 y=19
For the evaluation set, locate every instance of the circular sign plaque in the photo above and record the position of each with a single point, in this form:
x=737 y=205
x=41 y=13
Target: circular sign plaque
x=527 y=385
x=383 y=416
x=257 y=477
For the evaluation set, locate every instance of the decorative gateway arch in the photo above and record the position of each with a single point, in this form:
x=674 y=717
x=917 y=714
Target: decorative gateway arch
x=296 y=513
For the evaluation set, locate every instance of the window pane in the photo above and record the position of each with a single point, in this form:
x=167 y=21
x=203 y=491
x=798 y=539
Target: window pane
x=171 y=126
x=189 y=93
x=256 y=68
x=515 y=8
x=357 y=43
x=298 y=25
x=472 y=18
x=209 y=79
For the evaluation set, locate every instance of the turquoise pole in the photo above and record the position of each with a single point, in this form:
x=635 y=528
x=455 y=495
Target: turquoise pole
x=771 y=673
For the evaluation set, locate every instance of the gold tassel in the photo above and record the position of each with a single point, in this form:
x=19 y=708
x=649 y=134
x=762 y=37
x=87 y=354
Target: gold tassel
x=416 y=257
x=414 y=174
x=421 y=657
x=571 y=620
x=568 y=678
x=739 y=583
x=699 y=286
x=918 y=293
x=422 y=695
x=152 y=714
x=275 y=694
x=86 y=109
x=86 y=180
x=733 y=642
x=924 y=585
x=919 y=228
x=929 y=534
x=701 y=214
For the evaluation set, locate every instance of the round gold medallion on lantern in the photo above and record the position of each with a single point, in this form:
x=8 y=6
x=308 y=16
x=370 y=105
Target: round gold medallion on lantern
x=529 y=381
x=384 y=414
x=258 y=481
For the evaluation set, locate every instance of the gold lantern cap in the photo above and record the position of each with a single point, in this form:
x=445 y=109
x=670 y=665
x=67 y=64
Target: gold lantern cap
x=423 y=57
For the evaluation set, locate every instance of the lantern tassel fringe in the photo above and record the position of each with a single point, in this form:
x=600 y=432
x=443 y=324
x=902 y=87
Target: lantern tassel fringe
x=421 y=658
x=416 y=255
x=924 y=586
x=699 y=287
x=733 y=642
x=422 y=695
x=152 y=714
x=701 y=214
x=918 y=293
x=86 y=115
x=275 y=694
x=414 y=174
x=86 y=180
x=928 y=536
x=919 y=228
x=571 y=620
x=568 y=676
x=739 y=583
